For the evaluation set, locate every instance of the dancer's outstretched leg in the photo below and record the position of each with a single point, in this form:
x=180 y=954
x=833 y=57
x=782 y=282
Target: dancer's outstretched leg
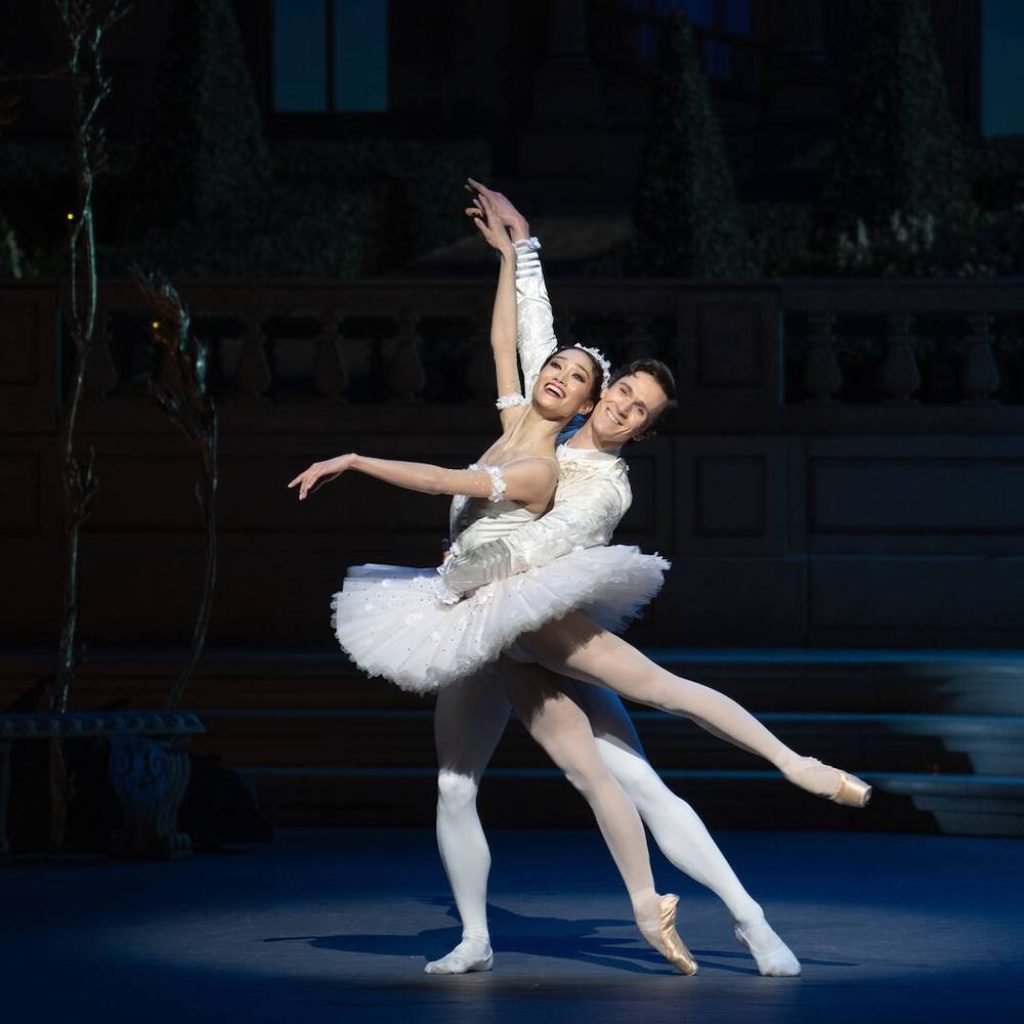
x=576 y=647
x=469 y=718
x=562 y=729
x=676 y=827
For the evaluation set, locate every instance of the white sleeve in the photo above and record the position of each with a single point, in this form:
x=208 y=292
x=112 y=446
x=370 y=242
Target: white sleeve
x=536 y=323
x=569 y=525
x=585 y=521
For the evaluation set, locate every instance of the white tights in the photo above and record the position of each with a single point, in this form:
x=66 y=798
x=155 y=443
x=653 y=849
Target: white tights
x=590 y=737
x=576 y=647
x=469 y=719
x=677 y=829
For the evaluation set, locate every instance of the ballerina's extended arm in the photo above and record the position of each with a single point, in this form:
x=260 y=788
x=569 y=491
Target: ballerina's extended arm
x=529 y=481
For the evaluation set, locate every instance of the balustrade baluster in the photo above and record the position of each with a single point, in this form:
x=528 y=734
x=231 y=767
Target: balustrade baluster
x=822 y=377
x=406 y=375
x=980 y=376
x=330 y=375
x=900 y=377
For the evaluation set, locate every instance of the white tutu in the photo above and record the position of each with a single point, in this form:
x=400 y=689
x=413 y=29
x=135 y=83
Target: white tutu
x=390 y=622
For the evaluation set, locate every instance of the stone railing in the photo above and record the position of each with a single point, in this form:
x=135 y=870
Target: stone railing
x=901 y=343
x=773 y=346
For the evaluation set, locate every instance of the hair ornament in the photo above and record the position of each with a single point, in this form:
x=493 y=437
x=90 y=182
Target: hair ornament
x=599 y=357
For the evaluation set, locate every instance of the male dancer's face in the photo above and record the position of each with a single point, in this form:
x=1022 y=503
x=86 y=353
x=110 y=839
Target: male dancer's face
x=626 y=410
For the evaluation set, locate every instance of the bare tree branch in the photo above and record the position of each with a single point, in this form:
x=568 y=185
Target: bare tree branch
x=182 y=392
x=85 y=25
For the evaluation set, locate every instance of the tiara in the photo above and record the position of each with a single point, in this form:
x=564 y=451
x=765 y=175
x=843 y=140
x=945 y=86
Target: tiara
x=599 y=357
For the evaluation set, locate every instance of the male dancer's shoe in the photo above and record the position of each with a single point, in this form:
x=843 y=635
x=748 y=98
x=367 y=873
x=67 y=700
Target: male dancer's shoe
x=773 y=957
x=471 y=954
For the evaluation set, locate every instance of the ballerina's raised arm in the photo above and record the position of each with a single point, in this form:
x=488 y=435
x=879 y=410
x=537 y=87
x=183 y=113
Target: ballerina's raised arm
x=519 y=466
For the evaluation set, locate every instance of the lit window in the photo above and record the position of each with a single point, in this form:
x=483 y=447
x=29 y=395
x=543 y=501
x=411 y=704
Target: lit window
x=1002 y=67
x=330 y=55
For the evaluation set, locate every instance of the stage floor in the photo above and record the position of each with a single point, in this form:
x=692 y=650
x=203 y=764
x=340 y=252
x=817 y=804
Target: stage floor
x=337 y=925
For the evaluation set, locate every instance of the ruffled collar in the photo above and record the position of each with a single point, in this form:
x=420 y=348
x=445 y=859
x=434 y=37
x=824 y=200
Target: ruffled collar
x=588 y=456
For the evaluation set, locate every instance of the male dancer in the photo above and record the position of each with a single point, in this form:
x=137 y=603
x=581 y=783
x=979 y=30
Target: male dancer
x=593 y=495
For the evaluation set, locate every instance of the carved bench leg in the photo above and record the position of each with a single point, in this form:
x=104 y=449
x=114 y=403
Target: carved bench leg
x=149 y=775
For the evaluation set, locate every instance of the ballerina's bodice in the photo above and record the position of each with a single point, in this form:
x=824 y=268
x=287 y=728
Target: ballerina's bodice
x=475 y=521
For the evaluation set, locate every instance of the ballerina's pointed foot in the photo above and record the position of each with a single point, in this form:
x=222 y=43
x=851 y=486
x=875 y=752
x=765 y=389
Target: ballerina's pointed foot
x=773 y=957
x=660 y=932
x=823 y=780
x=852 y=792
x=471 y=954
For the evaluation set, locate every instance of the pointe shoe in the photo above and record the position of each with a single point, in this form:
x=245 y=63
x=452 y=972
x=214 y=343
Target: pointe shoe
x=849 y=790
x=662 y=935
x=852 y=792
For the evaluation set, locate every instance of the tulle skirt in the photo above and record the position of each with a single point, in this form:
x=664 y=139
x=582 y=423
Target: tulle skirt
x=390 y=622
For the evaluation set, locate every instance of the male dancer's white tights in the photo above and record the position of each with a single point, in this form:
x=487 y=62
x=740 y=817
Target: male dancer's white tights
x=590 y=737
x=469 y=718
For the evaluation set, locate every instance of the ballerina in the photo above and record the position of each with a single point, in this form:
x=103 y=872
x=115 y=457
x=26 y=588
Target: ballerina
x=391 y=622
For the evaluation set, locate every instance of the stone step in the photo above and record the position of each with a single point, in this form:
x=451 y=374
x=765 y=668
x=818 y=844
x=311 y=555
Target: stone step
x=541 y=798
x=961 y=744
x=966 y=682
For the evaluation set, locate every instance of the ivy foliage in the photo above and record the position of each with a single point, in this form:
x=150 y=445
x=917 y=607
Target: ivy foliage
x=686 y=219
x=899 y=152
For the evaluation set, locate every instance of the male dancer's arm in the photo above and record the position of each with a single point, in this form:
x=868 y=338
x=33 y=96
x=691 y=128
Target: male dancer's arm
x=536 y=331
x=585 y=514
x=583 y=520
x=536 y=322
x=587 y=520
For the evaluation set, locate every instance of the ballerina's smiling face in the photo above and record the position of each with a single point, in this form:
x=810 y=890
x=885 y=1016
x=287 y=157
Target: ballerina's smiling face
x=568 y=383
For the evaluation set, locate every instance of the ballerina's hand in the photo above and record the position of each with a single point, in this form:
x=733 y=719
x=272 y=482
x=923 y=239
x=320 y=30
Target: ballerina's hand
x=495 y=233
x=321 y=473
x=501 y=206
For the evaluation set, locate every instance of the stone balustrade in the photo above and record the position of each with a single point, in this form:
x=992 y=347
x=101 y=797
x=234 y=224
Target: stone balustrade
x=768 y=346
